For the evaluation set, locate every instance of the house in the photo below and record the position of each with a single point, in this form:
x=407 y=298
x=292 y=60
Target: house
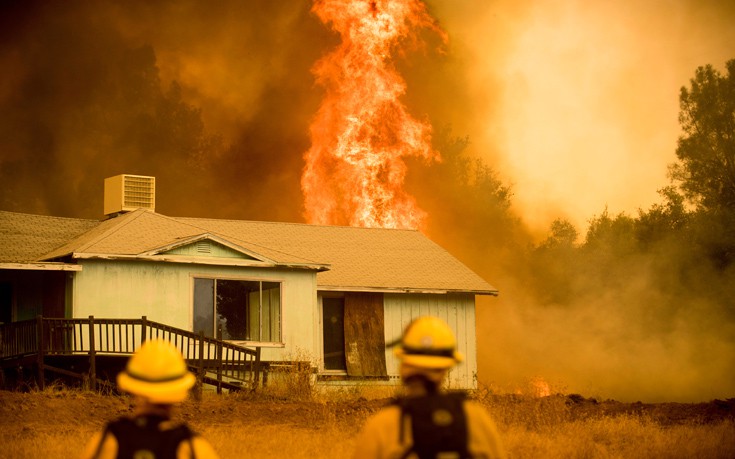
x=328 y=294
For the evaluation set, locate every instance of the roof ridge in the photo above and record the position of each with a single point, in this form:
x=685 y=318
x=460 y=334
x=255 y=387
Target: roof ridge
x=311 y=225
x=125 y=220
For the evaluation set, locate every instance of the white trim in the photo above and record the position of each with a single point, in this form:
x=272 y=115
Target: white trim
x=41 y=266
x=336 y=288
x=199 y=261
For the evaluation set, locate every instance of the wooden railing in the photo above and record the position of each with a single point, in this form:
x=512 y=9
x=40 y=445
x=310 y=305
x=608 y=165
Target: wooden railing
x=216 y=362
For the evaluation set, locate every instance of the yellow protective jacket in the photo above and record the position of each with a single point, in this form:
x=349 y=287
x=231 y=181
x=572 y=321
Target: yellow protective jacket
x=380 y=437
x=104 y=445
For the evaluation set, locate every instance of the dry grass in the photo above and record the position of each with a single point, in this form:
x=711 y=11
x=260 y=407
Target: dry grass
x=58 y=423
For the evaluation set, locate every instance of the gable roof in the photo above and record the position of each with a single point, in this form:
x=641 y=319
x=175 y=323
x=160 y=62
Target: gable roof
x=346 y=258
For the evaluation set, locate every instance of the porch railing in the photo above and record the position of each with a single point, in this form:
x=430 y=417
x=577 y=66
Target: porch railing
x=216 y=362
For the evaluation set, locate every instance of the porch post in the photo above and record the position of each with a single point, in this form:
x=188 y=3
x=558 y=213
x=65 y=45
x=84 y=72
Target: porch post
x=200 y=366
x=92 y=356
x=41 y=349
x=257 y=367
x=144 y=329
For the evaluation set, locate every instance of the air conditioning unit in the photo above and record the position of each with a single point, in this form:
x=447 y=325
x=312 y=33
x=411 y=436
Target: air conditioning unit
x=125 y=192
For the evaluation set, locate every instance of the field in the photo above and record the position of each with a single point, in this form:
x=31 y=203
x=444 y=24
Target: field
x=57 y=422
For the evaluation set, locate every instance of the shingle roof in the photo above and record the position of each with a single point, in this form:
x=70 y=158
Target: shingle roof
x=25 y=237
x=358 y=258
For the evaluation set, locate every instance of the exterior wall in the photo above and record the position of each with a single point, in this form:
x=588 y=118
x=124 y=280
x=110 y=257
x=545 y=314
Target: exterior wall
x=163 y=292
x=458 y=310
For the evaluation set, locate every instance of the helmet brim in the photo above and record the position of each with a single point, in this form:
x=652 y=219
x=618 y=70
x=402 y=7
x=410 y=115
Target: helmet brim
x=433 y=362
x=167 y=392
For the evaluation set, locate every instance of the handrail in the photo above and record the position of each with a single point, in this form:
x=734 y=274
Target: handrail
x=95 y=336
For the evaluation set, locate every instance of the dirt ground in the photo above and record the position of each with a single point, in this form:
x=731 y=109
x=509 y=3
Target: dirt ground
x=37 y=411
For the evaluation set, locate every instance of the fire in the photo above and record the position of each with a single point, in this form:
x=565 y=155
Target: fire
x=535 y=387
x=540 y=387
x=354 y=172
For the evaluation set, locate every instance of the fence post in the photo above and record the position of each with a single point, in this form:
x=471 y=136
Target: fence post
x=40 y=335
x=144 y=329
x=219 y=366
x=92 y=356
x=257 y=368
x=200 y=364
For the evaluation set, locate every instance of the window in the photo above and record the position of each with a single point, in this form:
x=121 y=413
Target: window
x=247 y=310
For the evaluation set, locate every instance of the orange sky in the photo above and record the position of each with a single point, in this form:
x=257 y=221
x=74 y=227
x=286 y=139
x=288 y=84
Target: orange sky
x=576 y=102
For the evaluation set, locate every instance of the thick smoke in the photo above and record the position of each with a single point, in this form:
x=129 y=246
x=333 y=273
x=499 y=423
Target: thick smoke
x=215 y=100
x=212 y=99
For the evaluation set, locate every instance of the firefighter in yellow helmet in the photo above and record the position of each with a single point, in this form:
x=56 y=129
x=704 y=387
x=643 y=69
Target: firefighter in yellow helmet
x=428 y=422
x=158 y=377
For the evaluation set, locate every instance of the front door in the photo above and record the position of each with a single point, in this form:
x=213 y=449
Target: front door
x=333 y=328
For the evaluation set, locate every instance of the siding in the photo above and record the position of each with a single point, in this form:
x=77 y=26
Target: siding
x=458 y=310
x=163 y=292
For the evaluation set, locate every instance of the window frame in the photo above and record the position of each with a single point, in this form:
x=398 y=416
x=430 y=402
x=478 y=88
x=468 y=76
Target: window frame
x=261 y=281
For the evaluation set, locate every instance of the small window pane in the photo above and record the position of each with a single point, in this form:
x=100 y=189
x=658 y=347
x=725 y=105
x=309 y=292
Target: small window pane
x=204 y=306
x=232 y=308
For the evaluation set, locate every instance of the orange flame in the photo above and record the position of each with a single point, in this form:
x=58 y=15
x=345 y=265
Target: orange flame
x=354 y=171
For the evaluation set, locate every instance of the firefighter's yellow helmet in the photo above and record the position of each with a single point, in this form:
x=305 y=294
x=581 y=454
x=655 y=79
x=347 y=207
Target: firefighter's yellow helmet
x=428 y=342
x=157 y=372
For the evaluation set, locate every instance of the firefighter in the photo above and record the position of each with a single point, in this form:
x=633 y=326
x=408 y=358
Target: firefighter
x=157 y=376
x=428 y=422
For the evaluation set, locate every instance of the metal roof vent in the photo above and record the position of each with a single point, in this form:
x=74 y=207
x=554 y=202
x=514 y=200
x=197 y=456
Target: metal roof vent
x=125 y=192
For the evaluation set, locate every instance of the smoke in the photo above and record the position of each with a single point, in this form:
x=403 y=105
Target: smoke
x=573 y=95
x=570 y=106
x=213 y=100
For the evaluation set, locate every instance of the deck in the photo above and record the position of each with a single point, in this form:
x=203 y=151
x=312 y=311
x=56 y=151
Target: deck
x=87 y=349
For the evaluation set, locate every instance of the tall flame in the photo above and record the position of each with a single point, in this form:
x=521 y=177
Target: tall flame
x=355 y=171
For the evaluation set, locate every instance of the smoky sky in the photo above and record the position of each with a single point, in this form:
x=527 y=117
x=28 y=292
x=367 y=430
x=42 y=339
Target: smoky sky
x=212 y=99
x=573 y=105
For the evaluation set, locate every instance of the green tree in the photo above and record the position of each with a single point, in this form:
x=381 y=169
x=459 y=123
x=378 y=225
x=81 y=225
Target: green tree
x=706 y=150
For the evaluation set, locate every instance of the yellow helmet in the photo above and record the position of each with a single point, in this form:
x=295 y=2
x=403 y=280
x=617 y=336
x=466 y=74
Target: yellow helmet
x=428 y=342
x=157 y=371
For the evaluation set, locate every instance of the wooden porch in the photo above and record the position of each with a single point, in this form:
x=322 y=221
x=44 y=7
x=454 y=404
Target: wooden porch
x=93 y=350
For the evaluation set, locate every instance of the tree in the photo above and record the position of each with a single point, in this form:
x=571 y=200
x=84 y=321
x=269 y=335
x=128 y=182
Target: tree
x=662 y=221
x=705 y=171
x=706 y=150
x=563 y=235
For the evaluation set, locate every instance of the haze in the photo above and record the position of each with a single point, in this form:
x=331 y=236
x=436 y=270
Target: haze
x=572 y=104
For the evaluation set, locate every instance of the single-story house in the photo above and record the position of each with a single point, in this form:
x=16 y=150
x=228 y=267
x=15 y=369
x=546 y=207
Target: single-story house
x=331 y=294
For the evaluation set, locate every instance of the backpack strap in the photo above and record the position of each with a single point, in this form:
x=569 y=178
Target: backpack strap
x=101 y=442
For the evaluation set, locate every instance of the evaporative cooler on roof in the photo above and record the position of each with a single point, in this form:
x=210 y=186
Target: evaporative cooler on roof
x=124 y=193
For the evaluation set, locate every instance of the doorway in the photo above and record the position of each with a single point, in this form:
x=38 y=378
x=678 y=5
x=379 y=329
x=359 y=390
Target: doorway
x=333 y=328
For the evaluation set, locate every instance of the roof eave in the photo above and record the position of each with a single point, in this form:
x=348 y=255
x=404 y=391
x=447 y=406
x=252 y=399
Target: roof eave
x=434 y=291
x=217 y=261
x=41 y=266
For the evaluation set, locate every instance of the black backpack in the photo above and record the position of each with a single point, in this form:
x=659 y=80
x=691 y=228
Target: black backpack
x=438 y=424
x=141 y=437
